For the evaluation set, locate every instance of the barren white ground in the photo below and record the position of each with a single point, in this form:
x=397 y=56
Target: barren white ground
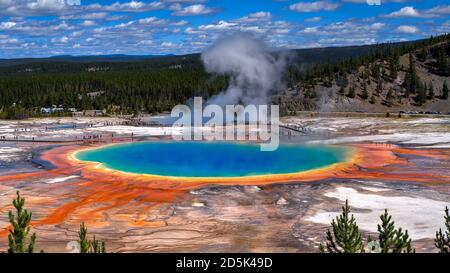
x=422 y=216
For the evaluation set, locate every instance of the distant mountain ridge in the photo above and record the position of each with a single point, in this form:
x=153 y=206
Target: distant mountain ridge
x=410 y=76
x=81 y=58
x=305 y=56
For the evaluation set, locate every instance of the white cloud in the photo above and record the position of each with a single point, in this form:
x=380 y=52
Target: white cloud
x=132 y=6
x=61 y=26
x=152 y=21
x=87 y=16
x=407 y=29
x=410 y=11
x=76 y=34
x=310 y=30
x=313 y=19
x=351 y=32
x=221 y=25
x=89 y=23
x=441 y=10
x=35 y=7
x=168 y=44
x=146 y=42
x=314 y=6
x=62 y=40
x=7 y=25
x=377 y=26
x=192 y=10
x=366 y=1
x=126 y=26
x=180 y=23
x=51 y=5
x=256 y=16
x=260 y=14
x=350 y=41
x=404 y=12
x=6 y=40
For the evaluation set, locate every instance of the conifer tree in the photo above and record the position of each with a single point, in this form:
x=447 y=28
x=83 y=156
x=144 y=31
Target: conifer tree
x=411 y=78
x=431 y=91
x=445 y=91
x=393 y=67
x=89 y=246
x=372 y=99
x=380 y=86
x=421 y=97
x=351 y=93
x=392 y=240
x=442 y=61
x=96 y=247
x=344 y=236
x=365 y=93
x=442 y=240
x=20 y=228
x=83 y=241
x=390 y=96
x=423 y=54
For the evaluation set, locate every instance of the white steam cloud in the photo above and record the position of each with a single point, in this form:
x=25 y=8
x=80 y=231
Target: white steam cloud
x=254 y=70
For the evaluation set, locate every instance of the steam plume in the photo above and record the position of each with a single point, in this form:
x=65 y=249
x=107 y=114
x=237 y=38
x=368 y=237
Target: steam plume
x=253 y=69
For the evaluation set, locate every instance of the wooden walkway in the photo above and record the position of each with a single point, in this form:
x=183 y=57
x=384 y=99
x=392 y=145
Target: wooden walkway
x=297 y=129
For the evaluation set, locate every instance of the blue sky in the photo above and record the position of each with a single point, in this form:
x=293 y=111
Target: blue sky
x=39 y=28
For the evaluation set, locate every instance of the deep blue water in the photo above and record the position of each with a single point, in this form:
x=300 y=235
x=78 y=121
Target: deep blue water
x=213 y=159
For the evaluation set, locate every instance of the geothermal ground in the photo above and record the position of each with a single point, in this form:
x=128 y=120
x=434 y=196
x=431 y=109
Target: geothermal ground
x=403 y=165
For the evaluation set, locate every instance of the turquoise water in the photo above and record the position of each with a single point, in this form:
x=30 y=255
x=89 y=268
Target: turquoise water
x=212 y=159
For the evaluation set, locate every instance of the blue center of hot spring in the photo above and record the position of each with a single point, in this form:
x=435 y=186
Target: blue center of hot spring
x=212 y=159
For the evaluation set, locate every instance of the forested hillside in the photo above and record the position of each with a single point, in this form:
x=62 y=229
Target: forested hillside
x=411 y=77
x=362 y=78
x=118 y=91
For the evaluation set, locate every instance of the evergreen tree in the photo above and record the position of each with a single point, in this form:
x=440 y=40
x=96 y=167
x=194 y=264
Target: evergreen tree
x=96 y=247
x=393 y=67
x=376 y=71
x=392 y=240
x=390 y=96
x=442 y=62
x=83 y=242
x=380 y=86
x=411 y=78
x=442 y=240
x=421 y=97
x=89 y=246
x=365 y=93
x=328 y=82
x=445 y=91
x=20 y=228
x=310 y=93
x=345 y=236
x=342 y=80
x=431 y=91
x=351 y=93
x=423 y=54
x=372 y=99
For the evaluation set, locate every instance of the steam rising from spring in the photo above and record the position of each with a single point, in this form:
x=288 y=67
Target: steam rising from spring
x=253 y=69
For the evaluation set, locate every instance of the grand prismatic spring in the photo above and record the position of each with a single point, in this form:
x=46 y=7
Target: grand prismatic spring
x=202 y=159
x=141 y=191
